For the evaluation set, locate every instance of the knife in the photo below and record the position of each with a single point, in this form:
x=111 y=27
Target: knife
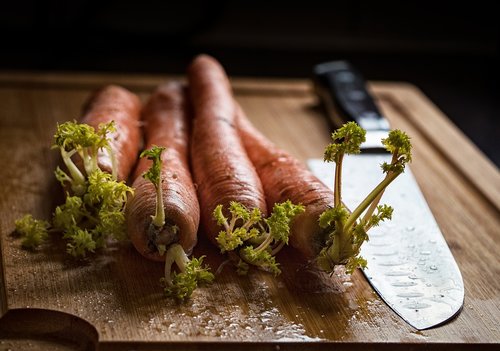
x=409 y=263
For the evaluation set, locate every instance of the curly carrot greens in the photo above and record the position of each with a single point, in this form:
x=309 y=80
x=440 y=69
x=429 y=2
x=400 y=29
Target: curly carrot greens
x=73 y=138
x=348 y=230
x=256 y=239
x=33 y=231
x=94 y=210
x=191 y=272
x=239 y=228
x=346 y=141
x=153 y=174
x=87 y=221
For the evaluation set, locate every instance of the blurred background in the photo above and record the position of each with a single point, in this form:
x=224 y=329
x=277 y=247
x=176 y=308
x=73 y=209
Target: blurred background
x=450 y=50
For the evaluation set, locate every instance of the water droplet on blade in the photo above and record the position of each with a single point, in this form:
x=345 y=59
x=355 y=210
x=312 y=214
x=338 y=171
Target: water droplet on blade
x=403 y=284
x=397 y=273
x=410 y=294
x=416 y=305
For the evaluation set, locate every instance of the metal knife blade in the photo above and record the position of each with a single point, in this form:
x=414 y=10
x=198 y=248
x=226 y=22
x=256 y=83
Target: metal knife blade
x=409 y=262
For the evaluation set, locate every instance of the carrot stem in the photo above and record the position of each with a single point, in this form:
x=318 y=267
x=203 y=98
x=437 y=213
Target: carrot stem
x=337 y=196
x=368 y=200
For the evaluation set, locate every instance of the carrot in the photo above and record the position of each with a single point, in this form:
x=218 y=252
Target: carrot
x=164 y=214
x=166 y=125
x=285 y=178
x=233 y=207
x=96 y=152
x=222 y=170
x=114 y=103
x=327 y=232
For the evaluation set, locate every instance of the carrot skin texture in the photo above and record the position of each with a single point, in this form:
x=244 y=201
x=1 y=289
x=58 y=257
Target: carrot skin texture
x=221 y=168
x=285 y=178
x=114 y=103
x=166 y=123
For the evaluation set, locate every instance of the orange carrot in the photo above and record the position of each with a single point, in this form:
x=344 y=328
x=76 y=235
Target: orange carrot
x=166 y=117
x=285 y=178
x=114 y=103
x=221 y=168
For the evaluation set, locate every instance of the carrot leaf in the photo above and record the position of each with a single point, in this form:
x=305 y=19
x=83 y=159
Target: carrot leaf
x=260 y=258
x=33 y=231
x=280 y=219
x=100 y=212
x=80 y=241
x=239 y=228
x=94 y=206
x=346 y=140
x=153 y=174
x=180 y=285
x=69 y=213
x=72 y=138
x=255 y=239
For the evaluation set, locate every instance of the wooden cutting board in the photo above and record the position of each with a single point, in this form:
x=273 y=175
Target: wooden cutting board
x=114 y=301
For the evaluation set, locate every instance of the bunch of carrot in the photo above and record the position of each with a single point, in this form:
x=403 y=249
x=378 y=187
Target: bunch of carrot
x=246 y=196
x=233 y=208
x=203 y=162
x=248 y=170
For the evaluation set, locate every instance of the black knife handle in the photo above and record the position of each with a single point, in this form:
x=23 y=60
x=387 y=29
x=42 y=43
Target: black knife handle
x=342 y=90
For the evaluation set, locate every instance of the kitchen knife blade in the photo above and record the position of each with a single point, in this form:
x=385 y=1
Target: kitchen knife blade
x=409 y=263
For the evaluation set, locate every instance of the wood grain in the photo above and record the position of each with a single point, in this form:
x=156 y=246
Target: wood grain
x=114 y=301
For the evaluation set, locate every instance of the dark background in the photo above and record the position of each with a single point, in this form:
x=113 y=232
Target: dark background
x=450 y=50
